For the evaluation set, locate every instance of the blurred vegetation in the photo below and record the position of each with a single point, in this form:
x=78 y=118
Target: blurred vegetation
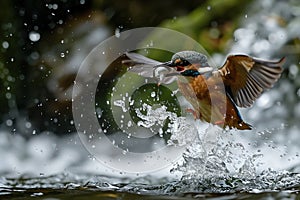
x=34 y=74
x=10 y=79
x=212 y=24
x=23 y=75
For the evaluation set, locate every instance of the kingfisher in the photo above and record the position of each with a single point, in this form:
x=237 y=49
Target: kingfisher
x=214 y=93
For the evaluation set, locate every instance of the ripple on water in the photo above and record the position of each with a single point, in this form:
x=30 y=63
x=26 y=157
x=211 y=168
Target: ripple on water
x=63 y=184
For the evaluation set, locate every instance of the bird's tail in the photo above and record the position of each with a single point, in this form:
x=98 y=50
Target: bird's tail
x=244 y=126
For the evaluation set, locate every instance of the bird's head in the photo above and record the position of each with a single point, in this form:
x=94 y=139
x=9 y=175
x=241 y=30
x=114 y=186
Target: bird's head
x=189 y=63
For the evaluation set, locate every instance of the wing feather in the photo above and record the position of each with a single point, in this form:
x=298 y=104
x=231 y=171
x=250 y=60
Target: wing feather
x=247 y=78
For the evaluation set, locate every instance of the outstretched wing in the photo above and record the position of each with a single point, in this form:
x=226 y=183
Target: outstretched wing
x=245 y=78
x=149 y=68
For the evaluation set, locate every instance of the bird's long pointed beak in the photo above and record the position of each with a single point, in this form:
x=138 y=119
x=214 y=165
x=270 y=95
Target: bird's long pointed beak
x=168 y=64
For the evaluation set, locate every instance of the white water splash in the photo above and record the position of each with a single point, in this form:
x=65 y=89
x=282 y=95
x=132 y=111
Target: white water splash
x=210 y=152
x=121 y=104
x=216 y=153
x=153 y=116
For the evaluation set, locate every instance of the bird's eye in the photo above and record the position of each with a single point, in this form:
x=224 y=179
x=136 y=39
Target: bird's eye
x=185 y=63
x=181 y=62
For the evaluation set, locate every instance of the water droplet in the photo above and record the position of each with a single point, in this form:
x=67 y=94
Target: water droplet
x=208 y=7
x=117 y=32
x=129 y=124
x=28 y=125
x=153 y=94
x=293 y=70
x=35 y=55
x=8 y=95
x=5 y=44
x=34 y=36
x=62 y=55
x=9 y=122
x=151 y=43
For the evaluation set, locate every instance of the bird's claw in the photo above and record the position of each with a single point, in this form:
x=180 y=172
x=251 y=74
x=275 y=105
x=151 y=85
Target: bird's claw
x=194 y=113
x=220 y=122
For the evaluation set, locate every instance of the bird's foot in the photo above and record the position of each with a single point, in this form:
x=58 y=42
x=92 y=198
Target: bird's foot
x=194 y=113
x=220 y=122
